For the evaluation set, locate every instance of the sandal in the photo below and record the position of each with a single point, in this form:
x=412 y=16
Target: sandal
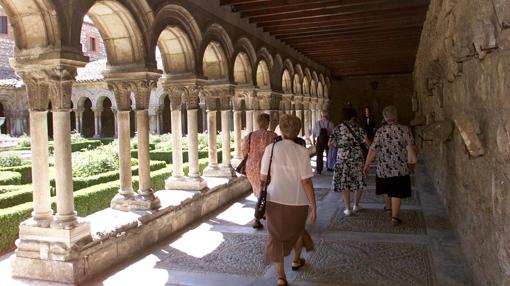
x=297 y=265
x=396 y=221
x=281 y=281
x=257 y=225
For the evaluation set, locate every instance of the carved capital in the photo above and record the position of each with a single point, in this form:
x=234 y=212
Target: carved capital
x=60 y=82
x=142 y=90
x=176 y=94
x=122 y=92
x=37 y=91
x=193 y=97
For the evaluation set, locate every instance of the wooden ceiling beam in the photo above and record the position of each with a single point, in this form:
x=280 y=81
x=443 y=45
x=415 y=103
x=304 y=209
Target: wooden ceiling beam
x=247 y=7
x=338 y=12
x=385 y=27
x=365 y=32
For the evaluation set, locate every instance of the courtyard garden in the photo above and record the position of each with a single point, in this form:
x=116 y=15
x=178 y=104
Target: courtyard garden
x=95 y=176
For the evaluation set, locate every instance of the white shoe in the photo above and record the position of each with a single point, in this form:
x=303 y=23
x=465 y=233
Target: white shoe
x=356 y=209
x=347 y=212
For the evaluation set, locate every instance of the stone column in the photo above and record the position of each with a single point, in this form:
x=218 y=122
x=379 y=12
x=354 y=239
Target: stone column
x=306 y=125
x=177 y=160
x=78 y=114
x=225 y=144
x=249 y=121
x=115 y=123
x=314 y=116
x=142 y=96
x=126 y=199
x=237 y=136
x=255 y=115
x=212 y=167
x=42 y=213
x=97 y=121
x=299 y=114
x=193 y=181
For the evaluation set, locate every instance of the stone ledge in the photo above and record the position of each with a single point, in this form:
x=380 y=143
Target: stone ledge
x=117 y=235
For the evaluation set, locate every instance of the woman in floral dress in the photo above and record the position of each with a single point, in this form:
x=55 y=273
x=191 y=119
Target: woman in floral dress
x=254 y=145
x=348 y=176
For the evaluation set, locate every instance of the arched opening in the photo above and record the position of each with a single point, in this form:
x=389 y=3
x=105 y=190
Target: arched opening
x=243 y=114
x=49 y=118
x=242 y=69
x=184 y=120
x=306 y=86
x=214 y=64
x=262 y=75
x=132 y=119
x=107 y=119
x=296 y=86
x=313 y=88
x=166 y=118
x=286 y=82
x=176 y=51
x=3 y=129
x=88 y=128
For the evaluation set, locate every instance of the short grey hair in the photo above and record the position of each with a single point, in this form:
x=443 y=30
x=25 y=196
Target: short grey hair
x=290 y=126
x=390 y=113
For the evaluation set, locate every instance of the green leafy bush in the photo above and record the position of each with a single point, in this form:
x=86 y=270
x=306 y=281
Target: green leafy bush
x=76 y=137
x=10 y=160
x=24 y=141
x=10 y=218
x=92 y=162
x=10 y=178
x=24 y=170
x=16 y=197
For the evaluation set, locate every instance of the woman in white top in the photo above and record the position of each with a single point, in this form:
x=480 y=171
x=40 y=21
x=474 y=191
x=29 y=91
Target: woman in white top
x=289 y=197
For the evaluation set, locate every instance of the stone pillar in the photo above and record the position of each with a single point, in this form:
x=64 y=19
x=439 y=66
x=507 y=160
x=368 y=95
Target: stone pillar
x=225 y=144
x=97 y=122
x=78 y=113
x=42 y=213
x=142 y=96
x=306 y=125
x=255 y=115
x=249 y=121
x=314 y=116
x=299 y=114
x=115 y=123
x=237 y=136
x=126 y=199
x=177 y=160
x=212 y=167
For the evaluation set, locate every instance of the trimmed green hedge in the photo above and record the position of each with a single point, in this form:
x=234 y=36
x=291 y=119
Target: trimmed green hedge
x=25 y=171
x=87 y=201
x=10 y=178
x=16 y=197
x=78 y=146
x=9 y=188
x=160 y=155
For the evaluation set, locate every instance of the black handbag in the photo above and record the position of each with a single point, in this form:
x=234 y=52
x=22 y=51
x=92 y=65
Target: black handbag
x=362 y=145
x=260 y=208
x=241 y=168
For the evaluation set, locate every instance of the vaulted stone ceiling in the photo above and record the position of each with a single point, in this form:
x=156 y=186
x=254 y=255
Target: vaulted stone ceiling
x=350 y=37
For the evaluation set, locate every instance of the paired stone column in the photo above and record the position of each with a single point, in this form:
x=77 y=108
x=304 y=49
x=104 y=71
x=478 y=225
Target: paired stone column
x=225 y=145
x=127 y=199
x=306 y=125
x=97 y=121
x=255 y=115
x=78 y=113
x=212 y=168
x=193 y=181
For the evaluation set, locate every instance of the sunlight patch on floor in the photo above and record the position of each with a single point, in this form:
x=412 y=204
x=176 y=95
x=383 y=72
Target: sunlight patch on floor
x=238 y=213
x=199 y=242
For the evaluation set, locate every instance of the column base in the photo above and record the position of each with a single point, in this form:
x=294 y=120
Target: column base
x=220 y=171
x=185 y=183
x=134 y=203
x=48 y=243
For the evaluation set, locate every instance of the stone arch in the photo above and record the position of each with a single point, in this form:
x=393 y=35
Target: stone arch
x=314 y=76
x=264 y=54
x=296 y=84
x=286 y=81
x=87 y=117
x=35 y=24
x=262 y=76
x=178 y=37
x=320 y=89
x=321 y=79
x=123 y=38
x=245 y=45
x=308 y=74
x=313 y=88
x=289 y=66
x=214 y=62
x=223 y=47
x=107 y=118
x=306 y=86
x=298 y=70
x=242 y=69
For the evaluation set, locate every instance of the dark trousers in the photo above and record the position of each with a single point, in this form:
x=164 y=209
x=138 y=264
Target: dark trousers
x=320 y=157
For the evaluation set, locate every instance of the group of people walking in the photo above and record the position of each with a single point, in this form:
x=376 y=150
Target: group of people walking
x=282 y=164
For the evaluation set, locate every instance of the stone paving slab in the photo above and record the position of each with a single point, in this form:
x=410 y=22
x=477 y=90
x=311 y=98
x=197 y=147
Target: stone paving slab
x=369 y=264
x=369 y=196
x=378 y=221
x=238 y=254
x=321 y=193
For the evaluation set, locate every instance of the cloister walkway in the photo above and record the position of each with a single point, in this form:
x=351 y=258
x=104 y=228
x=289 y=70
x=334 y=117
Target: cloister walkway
x=365 y=249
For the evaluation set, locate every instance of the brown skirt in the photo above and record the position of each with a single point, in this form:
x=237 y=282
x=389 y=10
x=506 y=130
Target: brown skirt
x=285 y=224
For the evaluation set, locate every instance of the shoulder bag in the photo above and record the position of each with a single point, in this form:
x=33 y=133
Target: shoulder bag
x=260 y=208
x=361 y=144
x=241 y=168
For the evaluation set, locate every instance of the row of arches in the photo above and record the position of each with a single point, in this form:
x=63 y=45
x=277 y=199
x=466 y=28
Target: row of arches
x=135 y=34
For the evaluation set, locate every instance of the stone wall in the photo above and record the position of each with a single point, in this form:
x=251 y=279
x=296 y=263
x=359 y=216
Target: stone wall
x=462 y=80
x=375 y=92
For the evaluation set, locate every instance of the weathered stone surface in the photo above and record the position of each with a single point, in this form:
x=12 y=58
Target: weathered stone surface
x=476 y=98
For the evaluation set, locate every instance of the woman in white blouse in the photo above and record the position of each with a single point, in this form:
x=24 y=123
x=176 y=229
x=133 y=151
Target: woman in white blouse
x=290 y=197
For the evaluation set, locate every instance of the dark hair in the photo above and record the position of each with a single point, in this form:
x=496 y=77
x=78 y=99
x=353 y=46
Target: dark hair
x=348 y=113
